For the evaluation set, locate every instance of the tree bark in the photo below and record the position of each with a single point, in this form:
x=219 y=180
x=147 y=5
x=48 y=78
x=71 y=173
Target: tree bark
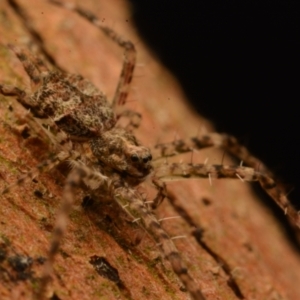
x=241 y=242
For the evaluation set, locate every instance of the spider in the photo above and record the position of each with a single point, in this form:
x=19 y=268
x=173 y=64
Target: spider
x=117 y=162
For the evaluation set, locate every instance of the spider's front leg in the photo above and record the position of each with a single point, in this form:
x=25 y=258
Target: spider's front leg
x=161 y=192
x=133 y=203
x=227 y=142
x=184 y=170
x=138 y=209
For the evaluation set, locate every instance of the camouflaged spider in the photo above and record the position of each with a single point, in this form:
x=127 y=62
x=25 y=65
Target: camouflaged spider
x=82 y=112
x=118 y=162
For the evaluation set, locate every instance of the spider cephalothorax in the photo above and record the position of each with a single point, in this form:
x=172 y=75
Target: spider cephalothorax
x=121 y=151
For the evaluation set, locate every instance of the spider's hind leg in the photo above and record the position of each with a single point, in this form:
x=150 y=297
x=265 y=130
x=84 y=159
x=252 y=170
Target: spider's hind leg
x=21 y=96
x=36 y=70
x=73 y=180
x=125 y=79
x=45 y=166
x=29 y=65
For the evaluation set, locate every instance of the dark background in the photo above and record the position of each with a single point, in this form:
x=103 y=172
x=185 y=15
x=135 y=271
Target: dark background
x=238 y=64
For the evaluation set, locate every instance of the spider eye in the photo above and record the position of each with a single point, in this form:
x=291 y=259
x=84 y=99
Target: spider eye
x=134 y=158
x=147 y=158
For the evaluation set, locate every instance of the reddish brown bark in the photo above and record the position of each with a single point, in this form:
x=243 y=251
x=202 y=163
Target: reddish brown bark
x=237 y=227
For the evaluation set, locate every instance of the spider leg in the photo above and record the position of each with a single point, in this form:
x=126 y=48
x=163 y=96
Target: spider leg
x=135 y=206
x=183 y=170
x=33 y=123
x=133 y=117
x=125 y=79
x=197 y=232
x=79 y=174
x=9 y=90
x=37 y=62
x=47 y=165
x=36 y=70
x=161 y=192
x=225 y=141
x=29 y=66
x=139 y=210
x=21 y=96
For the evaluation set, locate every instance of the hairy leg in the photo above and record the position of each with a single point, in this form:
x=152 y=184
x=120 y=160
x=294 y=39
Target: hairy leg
x=125 y=79
x=183 y=170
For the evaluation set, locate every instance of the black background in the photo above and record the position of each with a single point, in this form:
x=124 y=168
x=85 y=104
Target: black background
x=238 y=64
